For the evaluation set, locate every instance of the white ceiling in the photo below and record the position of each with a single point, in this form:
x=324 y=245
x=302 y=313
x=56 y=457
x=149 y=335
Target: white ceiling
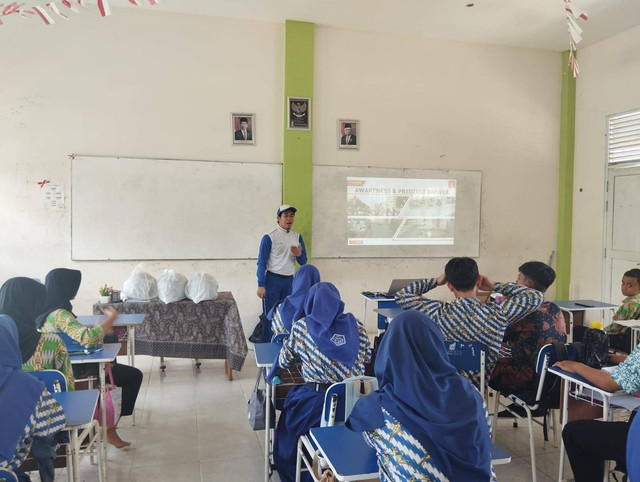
x=539 y=24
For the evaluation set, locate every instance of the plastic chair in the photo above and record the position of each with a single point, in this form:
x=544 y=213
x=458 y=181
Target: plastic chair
x=339 y=400
x=546 y=357
x=54 y=380
x=7 y=475
x=633 y=450
x=469 y=356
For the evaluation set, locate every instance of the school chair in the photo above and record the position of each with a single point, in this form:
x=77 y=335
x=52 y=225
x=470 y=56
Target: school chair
x=469 y=356
x=339 y=400
x=54 y=380
x=7 y=475
x=546 y=357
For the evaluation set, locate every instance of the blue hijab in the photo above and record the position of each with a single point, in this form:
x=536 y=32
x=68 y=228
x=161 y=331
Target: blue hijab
x=422 y=390
x=335 y=332
x=19 y=391
x=292 y=308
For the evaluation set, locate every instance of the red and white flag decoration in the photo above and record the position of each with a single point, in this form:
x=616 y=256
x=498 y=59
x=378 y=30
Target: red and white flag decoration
x=575 y=33
x=39 y=11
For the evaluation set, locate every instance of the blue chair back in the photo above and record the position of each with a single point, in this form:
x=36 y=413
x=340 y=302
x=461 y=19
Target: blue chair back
x=469 y=356
x=348 y=392
x=633 y=450
x=54 y=380
x=279 y=338
x=7 y=475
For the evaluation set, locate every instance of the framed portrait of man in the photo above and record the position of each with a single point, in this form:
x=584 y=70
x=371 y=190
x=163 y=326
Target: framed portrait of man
x=348 y=134
x=243 y=129
x=299 y=113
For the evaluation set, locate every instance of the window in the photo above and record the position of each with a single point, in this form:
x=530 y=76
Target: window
x=623 y=132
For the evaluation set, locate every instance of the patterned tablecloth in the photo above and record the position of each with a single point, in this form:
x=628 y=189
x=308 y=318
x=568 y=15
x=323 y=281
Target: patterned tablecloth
x=209 y=329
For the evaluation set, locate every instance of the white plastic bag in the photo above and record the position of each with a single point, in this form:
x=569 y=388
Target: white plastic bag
x=171 y=286
x=202 y=287
x=140 y=286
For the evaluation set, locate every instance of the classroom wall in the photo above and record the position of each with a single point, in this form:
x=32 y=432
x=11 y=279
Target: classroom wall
x=153 y=84
x=608 y=84
x=445 y=105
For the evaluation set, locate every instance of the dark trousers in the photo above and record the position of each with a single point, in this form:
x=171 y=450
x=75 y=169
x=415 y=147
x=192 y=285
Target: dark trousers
x=277 y=288
x=590 y=442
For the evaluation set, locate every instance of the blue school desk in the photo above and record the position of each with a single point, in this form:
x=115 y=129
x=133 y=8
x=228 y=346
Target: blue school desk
x=381 y=301
x=128 y=320
x=78 y=407
x=570 y=306
x=106 y=355
x=596 y=396
x=351 y=458
x=266 y=355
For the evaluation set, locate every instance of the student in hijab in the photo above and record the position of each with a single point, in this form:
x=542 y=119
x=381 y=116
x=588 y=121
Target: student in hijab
x=27 y=409
x=329 y=345
x=426 y=422
x=283 y=315
x=23 y=299
x=62 y=286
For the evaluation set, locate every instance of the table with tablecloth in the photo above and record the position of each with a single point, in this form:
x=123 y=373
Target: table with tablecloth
x=184 y=329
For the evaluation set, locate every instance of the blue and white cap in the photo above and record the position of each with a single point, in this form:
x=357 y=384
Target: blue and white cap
x=286 y=207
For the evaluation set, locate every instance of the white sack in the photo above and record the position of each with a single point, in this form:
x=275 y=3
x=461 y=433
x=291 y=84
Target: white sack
x=140 y=286
x=202 y=287
x=171 y=286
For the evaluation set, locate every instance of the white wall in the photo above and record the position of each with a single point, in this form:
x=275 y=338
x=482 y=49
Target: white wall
x=152 y=84
x=445 y=105
x=608 y=84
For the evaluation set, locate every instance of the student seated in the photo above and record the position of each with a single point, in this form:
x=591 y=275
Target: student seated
x=467 y=318
x=283 y=314
x=515 y=370
x=27 y=409
x=620 y=336
x=23 y=299
x=590 y=442
x=62 y=286
x=425 y=421
x=329 y=345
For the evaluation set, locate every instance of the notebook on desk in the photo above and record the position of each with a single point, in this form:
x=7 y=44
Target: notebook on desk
x=396 y=285
x=75 y=348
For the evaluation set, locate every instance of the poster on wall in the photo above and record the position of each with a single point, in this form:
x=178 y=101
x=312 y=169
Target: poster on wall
x=348 y=134
x=53 y=194
x=243 y=130
x=299 y=113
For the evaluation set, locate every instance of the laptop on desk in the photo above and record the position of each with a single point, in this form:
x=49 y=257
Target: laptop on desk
x=396 y=285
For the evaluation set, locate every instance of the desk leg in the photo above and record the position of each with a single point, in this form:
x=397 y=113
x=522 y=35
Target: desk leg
x=563 y=419
x=228 y=370
x=131 y=345
x=267 y=433
x=364 y=315
x=102 y=462
x=570 y=337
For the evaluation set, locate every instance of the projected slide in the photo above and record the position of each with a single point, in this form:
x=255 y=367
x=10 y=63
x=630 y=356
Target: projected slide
x=398 y=211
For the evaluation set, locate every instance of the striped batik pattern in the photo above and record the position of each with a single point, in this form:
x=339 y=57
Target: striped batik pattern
x=64 y=321
x=300 y=348
x=277 y=326
x=51 y=354
x=469 y=319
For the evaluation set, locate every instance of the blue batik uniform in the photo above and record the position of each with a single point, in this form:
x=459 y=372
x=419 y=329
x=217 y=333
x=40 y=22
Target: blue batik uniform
x=425 y=421
x=291 y=309
x=276 y=265
x=469 y=319
x=330 y=346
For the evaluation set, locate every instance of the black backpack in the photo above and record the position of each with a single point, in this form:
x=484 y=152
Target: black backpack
x=596 y=347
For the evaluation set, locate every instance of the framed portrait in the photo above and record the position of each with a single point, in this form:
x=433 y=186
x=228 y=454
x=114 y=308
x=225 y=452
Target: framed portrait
x=299 y=113
x=348 y=134
x=243 y=129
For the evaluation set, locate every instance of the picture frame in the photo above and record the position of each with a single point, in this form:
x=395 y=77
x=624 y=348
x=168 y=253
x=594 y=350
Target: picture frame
x=348 y=134
x=243 y=129
x=299 y=113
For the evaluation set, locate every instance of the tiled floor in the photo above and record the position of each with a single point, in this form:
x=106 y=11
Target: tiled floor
x=191 y=426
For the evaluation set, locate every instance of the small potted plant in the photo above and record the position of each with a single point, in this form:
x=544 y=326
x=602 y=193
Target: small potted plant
x=105 y=293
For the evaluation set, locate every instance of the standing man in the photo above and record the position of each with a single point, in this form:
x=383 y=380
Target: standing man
x=244 y=134
x=279 y=251
x=348 y=139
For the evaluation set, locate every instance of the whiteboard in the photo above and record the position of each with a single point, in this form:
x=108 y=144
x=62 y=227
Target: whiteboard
x=142 y=209
x=330 y=207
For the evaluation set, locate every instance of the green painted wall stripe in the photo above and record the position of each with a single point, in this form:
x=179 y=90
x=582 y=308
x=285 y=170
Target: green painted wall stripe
x=565 y=181
x=297 y=163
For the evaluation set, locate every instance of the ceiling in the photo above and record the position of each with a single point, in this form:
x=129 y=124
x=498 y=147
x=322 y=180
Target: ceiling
x=537 y=24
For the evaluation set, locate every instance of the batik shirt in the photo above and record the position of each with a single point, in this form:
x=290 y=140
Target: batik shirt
x=627 y=374
x=51 y=354
x=64 y=321
x=469 y=319
x=277 y=326
x=316 y=367
x=629 y=310
x=48 y=419
x=401 y=456
x=515 y=370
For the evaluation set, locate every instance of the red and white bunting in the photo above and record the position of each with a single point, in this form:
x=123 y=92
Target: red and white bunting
x=575 y=33
x=43 y=11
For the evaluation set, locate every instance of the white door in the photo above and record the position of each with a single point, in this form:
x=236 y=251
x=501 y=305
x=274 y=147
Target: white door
x=622 y=251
